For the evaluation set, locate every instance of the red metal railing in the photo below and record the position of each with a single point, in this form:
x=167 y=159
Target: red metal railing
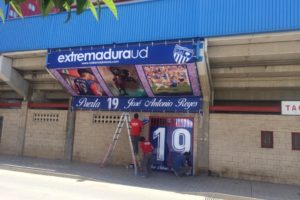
x=48 y=105
x=10 y=105
x=254 y=109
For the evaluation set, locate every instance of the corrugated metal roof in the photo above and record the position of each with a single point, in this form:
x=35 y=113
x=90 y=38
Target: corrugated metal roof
x=152 y=20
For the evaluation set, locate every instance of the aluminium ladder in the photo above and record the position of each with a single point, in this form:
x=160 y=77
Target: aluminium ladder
x=125 y=118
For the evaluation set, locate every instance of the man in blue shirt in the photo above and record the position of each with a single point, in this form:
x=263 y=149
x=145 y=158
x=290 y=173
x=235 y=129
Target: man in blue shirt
x=181 y=164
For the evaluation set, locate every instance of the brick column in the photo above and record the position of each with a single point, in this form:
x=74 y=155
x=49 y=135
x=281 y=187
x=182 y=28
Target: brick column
x=70 y=133
x=203 y=145
x=22 y=128
x=207 y=92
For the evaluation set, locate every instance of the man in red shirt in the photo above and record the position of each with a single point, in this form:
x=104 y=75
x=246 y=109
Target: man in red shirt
x=147 y=149
x=136 y=129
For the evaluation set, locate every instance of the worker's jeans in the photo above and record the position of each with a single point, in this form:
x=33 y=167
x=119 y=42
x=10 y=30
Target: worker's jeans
x=146 y=164
x=135 y=144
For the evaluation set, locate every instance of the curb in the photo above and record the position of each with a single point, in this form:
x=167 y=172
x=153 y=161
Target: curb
x=41 y=171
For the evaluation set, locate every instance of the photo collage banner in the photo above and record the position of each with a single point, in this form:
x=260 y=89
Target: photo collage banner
x=131 y=73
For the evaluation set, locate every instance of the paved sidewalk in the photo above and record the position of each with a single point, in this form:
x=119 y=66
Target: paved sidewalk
x=211 y=187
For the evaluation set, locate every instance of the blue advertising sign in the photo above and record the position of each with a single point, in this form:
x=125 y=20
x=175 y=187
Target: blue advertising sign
x=133 y=54
x=156 y=104
x=170 y=138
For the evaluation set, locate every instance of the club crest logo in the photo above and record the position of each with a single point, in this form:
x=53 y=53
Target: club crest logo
x=182 y=54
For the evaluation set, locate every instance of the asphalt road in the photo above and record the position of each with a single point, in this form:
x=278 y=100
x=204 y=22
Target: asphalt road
x=22 y=186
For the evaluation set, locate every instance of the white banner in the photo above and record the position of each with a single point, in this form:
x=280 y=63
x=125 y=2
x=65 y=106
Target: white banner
x=290 y=107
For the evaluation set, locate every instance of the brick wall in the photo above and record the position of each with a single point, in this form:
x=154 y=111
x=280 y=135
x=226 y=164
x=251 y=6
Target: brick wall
x=45 y=133
x=10 y=134
x=94 y=132
x=235 y=147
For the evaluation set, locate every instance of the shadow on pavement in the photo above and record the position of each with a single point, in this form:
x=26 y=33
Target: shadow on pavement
x=211 y=187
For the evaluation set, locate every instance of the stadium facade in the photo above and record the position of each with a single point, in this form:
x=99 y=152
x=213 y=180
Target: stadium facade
x=220 y=79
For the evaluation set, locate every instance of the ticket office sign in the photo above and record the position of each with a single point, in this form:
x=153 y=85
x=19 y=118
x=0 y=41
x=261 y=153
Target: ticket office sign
x=290 y=107
x=170 y=137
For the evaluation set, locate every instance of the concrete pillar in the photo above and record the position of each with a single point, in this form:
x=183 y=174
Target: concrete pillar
x=207 y=91
x=203 y=142
x=22 y=128
x=12 y=78
x=70 y=133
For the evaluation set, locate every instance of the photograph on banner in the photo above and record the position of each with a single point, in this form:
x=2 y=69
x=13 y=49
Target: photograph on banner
x=171 y=137
x=168 y=80
x=82 y=81
x=122 y=80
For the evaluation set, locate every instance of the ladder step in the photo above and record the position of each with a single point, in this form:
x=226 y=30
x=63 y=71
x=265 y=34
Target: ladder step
x=125 y=118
